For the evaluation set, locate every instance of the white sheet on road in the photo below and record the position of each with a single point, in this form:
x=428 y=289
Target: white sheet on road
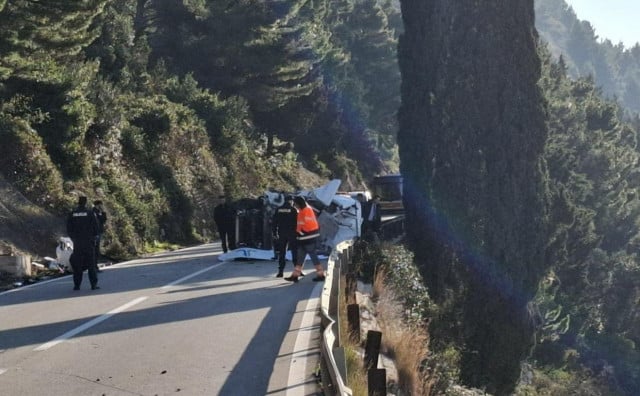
x=252 y=254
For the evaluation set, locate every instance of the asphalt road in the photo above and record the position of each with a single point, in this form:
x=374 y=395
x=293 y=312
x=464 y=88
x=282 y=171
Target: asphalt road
x=175 y=323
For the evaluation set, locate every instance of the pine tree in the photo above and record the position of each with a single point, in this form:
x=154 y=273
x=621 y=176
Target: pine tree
x=41 y=45
x=372 y=44
x=593 y=235
x=36 y=34
x=266 y=52
x=122 y=50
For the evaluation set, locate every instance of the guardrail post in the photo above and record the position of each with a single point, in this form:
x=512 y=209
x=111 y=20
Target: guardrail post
x=372 y=349
x=345 y=264
x=377 y=382
x=353 y=317
x=334 y=302
x=335 y=283
x=351 y=285
x=351 y=281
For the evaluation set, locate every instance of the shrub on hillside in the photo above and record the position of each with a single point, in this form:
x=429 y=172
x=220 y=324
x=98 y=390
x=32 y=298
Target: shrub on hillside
x=25 y=162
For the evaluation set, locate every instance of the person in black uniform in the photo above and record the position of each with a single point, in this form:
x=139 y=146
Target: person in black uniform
x=371 y=217
x=225 y=218
x=101 y=216
x=284 y=232
x=82 y=227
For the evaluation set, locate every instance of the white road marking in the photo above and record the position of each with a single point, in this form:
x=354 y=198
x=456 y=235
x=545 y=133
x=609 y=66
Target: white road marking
x=191 y=276
x=298 y=368
x=2 y=371
x=21 y=288
x=109 y=314
x=89 y=324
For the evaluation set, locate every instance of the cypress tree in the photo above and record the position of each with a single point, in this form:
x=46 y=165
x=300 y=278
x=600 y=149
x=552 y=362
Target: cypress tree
x=472 y=133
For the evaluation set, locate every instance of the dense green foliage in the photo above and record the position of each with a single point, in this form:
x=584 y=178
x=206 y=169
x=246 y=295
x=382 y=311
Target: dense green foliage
x=511 y=220
x=157 y=108
x=589 y=300
x=471 y=155
x=612 y=66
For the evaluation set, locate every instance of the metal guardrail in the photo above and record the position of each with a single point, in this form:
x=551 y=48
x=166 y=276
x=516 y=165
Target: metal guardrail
x=392 y=227
x=333 y=366
x=332 y=358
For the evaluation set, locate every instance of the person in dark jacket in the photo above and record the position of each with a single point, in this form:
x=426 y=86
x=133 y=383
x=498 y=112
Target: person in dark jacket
x=371 y=217
x=284 y=231
x=101 y=216
x=82 y=227
x=225 y=218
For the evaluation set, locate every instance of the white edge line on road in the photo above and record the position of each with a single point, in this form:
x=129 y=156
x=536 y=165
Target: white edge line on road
x=191 y=276
x=122 y=264
x=298 y=368
x=2 y=371
x=17 y=289
x=89 y=324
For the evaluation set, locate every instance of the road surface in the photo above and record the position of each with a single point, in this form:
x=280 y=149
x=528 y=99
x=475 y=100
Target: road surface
x=175 y=323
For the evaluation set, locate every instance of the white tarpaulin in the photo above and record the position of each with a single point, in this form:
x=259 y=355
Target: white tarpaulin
x=252 y=254
x=325 y=193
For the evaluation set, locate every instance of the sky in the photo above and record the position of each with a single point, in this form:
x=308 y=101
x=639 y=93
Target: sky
x=616 y=20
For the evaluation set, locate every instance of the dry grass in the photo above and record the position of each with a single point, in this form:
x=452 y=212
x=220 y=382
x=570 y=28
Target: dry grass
x=406 y=344
x=356 y=375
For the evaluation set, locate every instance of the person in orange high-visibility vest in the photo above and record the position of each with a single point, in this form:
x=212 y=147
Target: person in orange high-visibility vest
x=307 y=237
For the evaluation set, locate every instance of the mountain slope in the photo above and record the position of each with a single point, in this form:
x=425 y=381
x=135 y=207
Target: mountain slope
x=613 y=67
x=25 y=227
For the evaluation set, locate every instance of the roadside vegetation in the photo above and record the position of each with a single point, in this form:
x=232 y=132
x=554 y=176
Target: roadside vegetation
x=135 y=103
x=398 y=306
x=522 y=180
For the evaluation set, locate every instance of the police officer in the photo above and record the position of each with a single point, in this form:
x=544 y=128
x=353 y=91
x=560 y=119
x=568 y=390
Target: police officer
x=82 y=227
x=371 y=217
x=284 y=232
x=225 y=218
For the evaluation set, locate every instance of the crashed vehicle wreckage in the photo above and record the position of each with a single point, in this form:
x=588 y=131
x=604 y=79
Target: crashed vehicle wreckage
x=339 y=216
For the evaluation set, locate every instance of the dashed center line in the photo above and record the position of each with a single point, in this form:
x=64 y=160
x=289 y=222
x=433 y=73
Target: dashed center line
x=89 y=324
x=109 y=314
x=191 y=276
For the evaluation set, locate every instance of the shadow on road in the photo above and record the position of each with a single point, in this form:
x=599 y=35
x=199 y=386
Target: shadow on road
x=226 y=289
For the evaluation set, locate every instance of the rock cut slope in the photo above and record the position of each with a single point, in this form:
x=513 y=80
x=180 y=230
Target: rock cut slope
x=25 y=227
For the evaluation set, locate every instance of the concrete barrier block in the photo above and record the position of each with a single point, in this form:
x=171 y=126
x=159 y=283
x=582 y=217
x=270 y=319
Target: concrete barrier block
x=16 y=265
x=23 y=265
x=7 y=263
